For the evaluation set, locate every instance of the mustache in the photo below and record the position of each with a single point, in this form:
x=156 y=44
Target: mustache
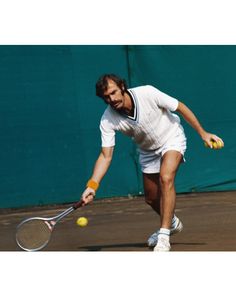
x=115 y=102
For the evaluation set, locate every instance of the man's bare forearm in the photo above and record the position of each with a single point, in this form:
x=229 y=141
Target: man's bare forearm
x=102 y=164
x=190 y=117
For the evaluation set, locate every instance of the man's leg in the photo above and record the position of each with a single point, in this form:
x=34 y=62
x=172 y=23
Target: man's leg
x=169 y=166
x=152 y=197
x=152 y=190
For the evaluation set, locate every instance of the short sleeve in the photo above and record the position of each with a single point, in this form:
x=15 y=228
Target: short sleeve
x=163 y=100
x=107 y=131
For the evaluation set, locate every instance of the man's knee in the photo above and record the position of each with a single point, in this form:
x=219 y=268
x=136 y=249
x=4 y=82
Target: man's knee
x=166 y=180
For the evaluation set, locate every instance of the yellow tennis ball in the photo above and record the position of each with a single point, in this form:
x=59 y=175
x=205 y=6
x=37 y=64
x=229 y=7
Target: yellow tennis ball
x=82 y=222
x=215 y=144
x=220 y=144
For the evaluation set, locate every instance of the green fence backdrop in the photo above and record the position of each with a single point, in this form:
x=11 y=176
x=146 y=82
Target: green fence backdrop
x=50 y=117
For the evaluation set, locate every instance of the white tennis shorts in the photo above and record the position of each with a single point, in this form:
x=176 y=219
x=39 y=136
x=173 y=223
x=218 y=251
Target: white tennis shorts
x=150 y=161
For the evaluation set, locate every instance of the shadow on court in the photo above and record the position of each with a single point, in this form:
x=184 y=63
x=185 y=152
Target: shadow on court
x=124 y=224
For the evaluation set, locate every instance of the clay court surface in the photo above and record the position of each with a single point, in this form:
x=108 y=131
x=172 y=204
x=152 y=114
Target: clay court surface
x=123 y=224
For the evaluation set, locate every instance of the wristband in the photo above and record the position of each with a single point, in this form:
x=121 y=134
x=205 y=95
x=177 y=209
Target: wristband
x=93 y=184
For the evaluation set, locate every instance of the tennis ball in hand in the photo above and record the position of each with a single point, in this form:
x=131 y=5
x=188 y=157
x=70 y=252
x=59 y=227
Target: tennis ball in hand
x=215 y=144
x=220 y=144
x=82 y=222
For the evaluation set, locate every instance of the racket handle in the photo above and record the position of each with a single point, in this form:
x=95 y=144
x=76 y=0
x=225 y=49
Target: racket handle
x=77 y=204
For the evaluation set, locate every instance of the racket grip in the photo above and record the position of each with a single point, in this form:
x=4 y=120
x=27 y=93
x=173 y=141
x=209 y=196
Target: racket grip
x=77 y=204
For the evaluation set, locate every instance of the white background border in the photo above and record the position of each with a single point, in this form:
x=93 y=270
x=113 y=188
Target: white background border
x=117 y=22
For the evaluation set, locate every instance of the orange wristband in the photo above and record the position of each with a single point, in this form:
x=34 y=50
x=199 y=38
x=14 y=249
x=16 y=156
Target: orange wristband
x=93 y=184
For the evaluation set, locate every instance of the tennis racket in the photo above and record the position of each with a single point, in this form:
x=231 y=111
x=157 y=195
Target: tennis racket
x=33 y=234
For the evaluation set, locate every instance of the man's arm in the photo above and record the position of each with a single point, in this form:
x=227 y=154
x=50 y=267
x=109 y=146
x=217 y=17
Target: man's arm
x=189 y=116
x=101 y=166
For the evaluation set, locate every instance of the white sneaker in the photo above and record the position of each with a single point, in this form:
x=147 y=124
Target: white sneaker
x=163 y=245
x=152 y=240
x=178 y=227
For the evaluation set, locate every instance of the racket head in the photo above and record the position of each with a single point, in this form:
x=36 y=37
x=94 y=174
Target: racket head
x=33 y=234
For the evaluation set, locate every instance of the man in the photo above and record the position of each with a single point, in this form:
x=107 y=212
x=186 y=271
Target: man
x=145 y=114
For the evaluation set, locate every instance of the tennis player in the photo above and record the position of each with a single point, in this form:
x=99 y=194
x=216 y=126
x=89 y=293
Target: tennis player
x=146 y=115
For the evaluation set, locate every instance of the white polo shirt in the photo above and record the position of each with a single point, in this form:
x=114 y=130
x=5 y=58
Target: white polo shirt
x=151 y=126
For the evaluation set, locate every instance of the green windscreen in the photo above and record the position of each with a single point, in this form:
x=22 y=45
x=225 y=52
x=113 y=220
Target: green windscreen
x=50 y=118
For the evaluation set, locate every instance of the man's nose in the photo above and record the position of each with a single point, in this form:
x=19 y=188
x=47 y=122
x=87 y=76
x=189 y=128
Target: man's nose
x=112 y=98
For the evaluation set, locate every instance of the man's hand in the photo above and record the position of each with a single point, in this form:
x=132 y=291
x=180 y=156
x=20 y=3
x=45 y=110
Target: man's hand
x=208 y=138
x=88 y=196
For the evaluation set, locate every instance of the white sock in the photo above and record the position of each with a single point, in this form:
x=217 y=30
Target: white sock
x=164 y=233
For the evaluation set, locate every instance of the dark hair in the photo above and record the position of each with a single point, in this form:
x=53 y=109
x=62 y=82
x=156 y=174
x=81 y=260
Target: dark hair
x=102 y=83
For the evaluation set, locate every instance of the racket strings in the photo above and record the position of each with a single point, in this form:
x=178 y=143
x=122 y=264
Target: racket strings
x=33 y=234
